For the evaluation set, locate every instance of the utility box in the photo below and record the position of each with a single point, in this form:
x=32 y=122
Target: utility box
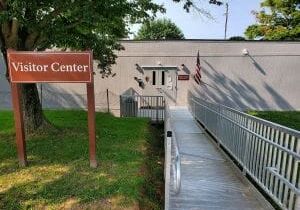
x=129 y=107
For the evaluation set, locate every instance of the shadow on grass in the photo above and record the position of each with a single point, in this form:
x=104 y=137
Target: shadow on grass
x=58 y=176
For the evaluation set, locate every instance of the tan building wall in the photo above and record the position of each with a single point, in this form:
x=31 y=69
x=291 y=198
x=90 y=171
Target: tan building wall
x=267 y=78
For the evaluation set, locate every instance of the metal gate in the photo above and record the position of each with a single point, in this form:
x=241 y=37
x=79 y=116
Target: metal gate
x=142 y=106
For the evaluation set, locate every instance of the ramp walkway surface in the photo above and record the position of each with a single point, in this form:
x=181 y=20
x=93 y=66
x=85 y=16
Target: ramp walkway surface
x=209 y=179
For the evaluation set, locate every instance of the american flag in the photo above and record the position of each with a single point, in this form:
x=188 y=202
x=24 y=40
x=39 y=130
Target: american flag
x=197 y=75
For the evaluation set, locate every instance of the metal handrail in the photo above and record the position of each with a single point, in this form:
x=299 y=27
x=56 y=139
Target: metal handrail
x=282 y=128
x=296 y=155
x=177 y=168
x=274 y=171
x=176 y=161
x=268 y=152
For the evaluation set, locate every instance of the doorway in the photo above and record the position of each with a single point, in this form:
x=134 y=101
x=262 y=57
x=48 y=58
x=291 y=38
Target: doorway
x=163 y=81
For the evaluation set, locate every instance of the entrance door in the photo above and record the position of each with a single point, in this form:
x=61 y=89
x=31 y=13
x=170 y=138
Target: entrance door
x=164 y=81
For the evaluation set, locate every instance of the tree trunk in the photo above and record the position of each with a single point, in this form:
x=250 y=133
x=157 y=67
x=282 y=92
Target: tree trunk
x=32 y=109
x=13 y=36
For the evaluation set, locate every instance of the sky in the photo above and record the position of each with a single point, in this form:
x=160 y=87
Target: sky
x=196 y=26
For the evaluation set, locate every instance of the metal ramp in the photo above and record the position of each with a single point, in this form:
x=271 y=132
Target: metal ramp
x=209 y=180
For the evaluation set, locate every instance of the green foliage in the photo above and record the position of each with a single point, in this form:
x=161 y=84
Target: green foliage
x=278 y=20
x=159 y=29
x=72 y=24
x=290 y=119
x=187 y=4
x=197 y=6
x=130 y=171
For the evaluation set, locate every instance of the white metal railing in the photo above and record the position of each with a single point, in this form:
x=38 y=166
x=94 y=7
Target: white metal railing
x=142 y=106
x=268 y=152
x=172 y=159
x=176 y=165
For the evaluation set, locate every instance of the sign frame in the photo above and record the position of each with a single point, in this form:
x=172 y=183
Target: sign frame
x=18 y=112
x=10 y=52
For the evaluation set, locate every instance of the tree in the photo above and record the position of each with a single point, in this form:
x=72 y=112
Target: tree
x=159 y=29
x=69 y=24
x=237 y=38
x=197 y=6
x=278 y=20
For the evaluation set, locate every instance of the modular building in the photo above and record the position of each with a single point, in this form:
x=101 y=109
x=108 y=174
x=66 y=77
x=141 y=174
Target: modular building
x=259 y=75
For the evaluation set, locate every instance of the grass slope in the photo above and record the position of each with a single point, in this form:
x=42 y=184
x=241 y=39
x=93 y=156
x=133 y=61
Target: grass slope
x=290 y=119
x=59 y=177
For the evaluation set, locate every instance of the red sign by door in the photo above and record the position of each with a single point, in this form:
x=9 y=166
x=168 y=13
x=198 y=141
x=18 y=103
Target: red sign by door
x=184 y=77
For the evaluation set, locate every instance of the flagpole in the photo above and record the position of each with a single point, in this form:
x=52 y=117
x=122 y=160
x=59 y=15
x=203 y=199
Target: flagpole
x=219 y=3
x=226 y=21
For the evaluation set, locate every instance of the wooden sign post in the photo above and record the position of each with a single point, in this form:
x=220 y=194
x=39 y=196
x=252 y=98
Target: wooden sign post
x=51 y=67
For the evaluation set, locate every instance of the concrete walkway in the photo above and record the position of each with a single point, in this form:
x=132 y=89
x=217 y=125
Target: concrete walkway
x=209 y=180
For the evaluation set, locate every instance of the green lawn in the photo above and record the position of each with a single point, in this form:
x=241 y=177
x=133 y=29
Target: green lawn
x=130 y=175
x=287 y=118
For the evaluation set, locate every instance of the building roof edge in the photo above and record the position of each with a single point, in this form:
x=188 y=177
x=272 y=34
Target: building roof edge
x=211 y=41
